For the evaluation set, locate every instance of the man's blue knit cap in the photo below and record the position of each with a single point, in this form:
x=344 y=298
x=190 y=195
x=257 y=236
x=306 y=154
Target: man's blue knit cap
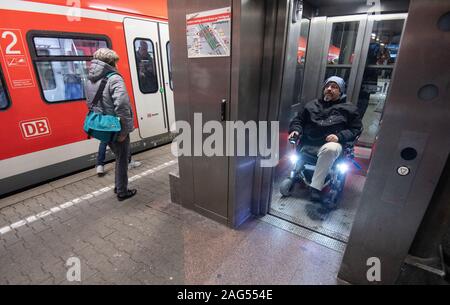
x=339 y=81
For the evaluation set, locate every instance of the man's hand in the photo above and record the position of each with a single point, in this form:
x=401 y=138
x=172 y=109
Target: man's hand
x=332 y=138
x=294 y=133
x=121 y=138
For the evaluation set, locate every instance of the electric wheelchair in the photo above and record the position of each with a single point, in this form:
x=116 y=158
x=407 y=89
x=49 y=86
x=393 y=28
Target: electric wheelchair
x=304 y=161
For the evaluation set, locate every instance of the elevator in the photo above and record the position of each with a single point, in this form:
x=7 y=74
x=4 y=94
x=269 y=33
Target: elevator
x=362 y=50
x=392 y=56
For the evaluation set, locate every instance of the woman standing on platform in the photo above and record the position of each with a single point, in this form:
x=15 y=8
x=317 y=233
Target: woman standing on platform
x=115 y=101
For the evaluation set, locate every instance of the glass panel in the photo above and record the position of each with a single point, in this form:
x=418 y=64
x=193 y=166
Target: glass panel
x=45 y=69
x=48 y=46
x=384 y=42
x=341 y=72
x=301 y=59
x=146 y=65
x=170 y=65
x=46 y=75
x=62 y=80
x=4 y=101
x=303 y=41
x=383 y=49
x=343 y=41
x=371 y=100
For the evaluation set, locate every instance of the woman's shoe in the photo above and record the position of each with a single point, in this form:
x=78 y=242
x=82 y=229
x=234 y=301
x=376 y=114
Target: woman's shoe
x=134 y=164
x=100 y=170
x=126 y=195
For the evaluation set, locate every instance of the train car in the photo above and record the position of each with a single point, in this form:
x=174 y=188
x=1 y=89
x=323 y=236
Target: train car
x=46 y=47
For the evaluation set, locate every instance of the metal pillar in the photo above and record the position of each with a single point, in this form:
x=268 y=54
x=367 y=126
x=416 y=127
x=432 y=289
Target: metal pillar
x=411 y=150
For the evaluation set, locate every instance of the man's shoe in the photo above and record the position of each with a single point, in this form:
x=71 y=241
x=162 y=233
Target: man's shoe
x=315 y=195
x=100 y=170
x=134 y=164
x=126 y=195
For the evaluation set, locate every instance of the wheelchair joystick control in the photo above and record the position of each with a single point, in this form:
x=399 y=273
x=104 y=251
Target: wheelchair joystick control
x=293 y=139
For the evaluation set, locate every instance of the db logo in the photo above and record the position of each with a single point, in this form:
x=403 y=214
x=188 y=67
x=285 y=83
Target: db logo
x=35 y=128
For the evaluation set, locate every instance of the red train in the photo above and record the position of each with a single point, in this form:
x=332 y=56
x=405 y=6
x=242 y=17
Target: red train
x=45 y=49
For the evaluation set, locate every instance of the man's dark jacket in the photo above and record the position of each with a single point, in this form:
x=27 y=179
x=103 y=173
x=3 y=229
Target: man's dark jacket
x=320 y=119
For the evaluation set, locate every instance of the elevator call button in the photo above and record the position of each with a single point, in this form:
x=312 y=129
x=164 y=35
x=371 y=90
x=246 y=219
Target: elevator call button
x=403 y=171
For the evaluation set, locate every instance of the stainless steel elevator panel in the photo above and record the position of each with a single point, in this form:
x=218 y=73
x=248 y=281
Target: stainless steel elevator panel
x=180 y=74
x=272 y=67
x=218 y=186
x=314 y=58
x=248 y=51
x=411 y=150
x=200 y=86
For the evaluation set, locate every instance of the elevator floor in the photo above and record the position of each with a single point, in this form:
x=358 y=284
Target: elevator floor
x=299 y=210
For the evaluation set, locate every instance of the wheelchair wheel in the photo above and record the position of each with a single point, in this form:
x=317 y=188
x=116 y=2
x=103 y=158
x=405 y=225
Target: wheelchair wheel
x=286 y=187
x=332 y=199
x=342 y=183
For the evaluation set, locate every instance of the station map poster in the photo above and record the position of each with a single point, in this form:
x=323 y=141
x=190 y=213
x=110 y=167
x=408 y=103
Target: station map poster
x=209 y=33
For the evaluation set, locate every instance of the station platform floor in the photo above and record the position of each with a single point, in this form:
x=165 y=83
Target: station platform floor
x=146 y=239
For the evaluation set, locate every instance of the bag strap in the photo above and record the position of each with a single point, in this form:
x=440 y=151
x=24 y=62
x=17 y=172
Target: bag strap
x=101 y=88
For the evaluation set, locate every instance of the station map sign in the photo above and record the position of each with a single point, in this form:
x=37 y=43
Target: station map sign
x=209 y=33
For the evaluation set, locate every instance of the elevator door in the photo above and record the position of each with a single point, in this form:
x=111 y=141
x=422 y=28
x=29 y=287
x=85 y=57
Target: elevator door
x=343 y=41
x=378 y=57
x=362 y=50
x=167 y=73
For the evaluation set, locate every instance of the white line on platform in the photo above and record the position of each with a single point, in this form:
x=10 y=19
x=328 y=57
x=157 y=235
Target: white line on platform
x=75 y=201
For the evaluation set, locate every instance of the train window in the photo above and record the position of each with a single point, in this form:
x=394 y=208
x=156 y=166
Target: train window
x=69 y=83
x=146 y=65
x=46 y=74
x=4 y=100
x=62 y=61
x=170 y=65
x=49 y=46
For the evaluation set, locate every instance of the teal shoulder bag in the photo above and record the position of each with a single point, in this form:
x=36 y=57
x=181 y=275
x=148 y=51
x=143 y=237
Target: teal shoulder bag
x=103 y=127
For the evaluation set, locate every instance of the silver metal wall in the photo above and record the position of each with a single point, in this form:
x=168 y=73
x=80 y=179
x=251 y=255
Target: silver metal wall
x=331 y=8
x=218 y=187
x=436 y=221
x=414 y=135
x=276 y=36
x=314 y=60
x=247 y=58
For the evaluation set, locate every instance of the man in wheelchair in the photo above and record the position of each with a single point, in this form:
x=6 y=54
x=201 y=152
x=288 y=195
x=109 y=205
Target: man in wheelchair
x=327 y=129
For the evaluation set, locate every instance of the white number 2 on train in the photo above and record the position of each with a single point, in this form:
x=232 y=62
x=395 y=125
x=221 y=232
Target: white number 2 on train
x=9 y=50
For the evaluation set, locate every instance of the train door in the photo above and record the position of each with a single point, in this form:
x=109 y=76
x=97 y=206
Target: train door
x=167 y=72
x=143 y=47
